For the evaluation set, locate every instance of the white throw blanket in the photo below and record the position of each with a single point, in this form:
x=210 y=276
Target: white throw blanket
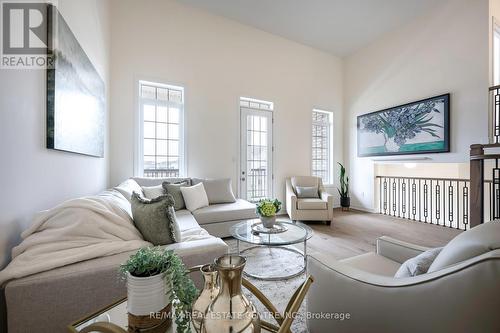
x=76 y=230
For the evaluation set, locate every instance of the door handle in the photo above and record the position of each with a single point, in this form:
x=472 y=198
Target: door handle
x=242 y=179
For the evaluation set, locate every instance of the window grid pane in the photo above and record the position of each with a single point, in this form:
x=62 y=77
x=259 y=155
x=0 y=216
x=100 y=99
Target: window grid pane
x=162 y=134
x=321 y=150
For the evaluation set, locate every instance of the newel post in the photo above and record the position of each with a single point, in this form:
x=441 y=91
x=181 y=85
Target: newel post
x=476 y=185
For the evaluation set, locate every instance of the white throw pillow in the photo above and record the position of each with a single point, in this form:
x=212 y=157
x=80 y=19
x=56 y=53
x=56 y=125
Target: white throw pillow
x=195 y=196
x=128 y=187
x=152 y=192
x=418 y=265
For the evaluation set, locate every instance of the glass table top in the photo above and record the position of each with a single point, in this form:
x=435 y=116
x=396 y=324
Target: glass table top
x=297 y=232
x=115 y=313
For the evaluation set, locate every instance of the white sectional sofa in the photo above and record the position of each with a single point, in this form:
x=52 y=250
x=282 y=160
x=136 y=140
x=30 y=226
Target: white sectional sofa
x=216 y=219
x=50 y=300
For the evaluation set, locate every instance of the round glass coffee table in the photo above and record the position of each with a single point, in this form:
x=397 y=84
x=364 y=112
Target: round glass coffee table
x=268 y=247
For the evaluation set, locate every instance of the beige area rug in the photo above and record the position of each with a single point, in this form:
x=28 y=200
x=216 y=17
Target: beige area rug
x=270 y=261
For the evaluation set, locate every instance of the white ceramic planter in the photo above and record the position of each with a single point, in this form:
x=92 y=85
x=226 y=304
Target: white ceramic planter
x=268 y=222
x=147 y=294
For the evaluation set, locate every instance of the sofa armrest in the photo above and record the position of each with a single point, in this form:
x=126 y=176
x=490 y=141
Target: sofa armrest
x=325 y=196
x=291 y=199
x=397 y=250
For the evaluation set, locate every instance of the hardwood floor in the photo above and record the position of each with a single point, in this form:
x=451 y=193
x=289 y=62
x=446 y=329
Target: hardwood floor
x=354 y=232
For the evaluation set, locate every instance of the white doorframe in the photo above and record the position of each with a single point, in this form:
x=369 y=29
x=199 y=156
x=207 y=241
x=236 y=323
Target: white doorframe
x=247 y=177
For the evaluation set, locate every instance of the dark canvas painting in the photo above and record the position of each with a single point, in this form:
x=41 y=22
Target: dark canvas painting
x=75 y=94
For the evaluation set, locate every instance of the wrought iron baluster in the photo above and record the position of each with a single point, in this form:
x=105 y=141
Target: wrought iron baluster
x=425 y=200
x=450 y=204
x=438 y=200
x=394 y=197
x=380 y=195
x=385 y=196
x=414 y=199
x=403 y=195
x=466 y=205
x=496 y=191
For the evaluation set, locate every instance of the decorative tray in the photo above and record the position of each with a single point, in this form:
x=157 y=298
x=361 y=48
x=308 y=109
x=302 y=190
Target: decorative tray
x=258 y=228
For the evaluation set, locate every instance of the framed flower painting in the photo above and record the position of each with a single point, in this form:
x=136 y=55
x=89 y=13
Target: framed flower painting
x=420 y=127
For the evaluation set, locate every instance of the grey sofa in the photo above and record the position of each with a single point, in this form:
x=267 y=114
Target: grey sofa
x=49 y=301
x=458 y=294
x=216 y=219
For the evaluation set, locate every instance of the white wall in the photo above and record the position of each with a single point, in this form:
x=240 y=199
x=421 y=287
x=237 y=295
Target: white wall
x=217 y=61
x=34 y=178
x=443 y=51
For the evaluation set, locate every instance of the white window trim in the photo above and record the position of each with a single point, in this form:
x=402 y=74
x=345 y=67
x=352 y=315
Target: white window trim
x=139 y=126
x=331 y=181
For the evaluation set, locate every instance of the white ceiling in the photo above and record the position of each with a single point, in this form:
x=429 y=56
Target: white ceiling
x=339 y=27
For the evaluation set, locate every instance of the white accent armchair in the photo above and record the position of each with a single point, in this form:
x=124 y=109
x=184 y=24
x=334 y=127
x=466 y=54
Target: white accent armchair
x=459 y=293
x=308 y=209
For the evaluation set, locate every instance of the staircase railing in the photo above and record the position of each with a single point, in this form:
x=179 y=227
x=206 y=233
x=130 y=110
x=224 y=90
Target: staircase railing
x=439 y=201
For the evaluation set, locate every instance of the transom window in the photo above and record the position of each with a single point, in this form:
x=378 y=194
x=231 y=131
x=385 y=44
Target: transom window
x=162 y=114
x=322 y=155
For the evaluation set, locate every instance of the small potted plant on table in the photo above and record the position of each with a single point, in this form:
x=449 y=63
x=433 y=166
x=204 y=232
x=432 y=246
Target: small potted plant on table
x=345 y=200
x=156 y=281
x=267 y=209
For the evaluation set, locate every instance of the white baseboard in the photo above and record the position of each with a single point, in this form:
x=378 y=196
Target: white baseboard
x=364 y=209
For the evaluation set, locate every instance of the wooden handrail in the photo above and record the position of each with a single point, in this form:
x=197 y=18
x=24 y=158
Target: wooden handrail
x=425 y=178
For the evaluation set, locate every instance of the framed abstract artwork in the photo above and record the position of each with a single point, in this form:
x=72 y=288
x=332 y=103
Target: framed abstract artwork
x=420 y=127
x=76 y=102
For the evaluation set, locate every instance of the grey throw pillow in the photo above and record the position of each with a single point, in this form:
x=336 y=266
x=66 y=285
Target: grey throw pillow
x=307 y=192
x=418 y=265
x=152 y=192
x=174 y=189
x=155 y=218
x=218 y=190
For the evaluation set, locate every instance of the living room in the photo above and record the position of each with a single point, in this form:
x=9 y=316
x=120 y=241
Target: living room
x=256 y=127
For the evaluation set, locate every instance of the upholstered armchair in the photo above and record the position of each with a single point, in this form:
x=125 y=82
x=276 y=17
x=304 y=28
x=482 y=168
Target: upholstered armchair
x=308 y=208
x=459 y=293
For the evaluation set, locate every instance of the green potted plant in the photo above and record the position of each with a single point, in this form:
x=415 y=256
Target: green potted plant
x=156 y=278
x=345 y=200
x=266 y=210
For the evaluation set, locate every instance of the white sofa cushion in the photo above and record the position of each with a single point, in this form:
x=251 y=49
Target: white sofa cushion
x=195 y=197
x=469 y=244
x=307 y=181
x=186 y=220
x=373 y=263
x=239 y=210
x=128 y=187
x=311 y=204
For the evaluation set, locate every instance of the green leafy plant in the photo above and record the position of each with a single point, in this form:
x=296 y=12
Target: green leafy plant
x=344 y=183
x=268 y=207
x=150 y=261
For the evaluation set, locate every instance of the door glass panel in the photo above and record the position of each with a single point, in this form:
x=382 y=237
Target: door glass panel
x=257 y=158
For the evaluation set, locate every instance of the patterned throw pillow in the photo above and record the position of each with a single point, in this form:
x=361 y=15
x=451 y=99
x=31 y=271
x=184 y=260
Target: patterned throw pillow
x=174 y=189
x=418 y=265
x=155 y=219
